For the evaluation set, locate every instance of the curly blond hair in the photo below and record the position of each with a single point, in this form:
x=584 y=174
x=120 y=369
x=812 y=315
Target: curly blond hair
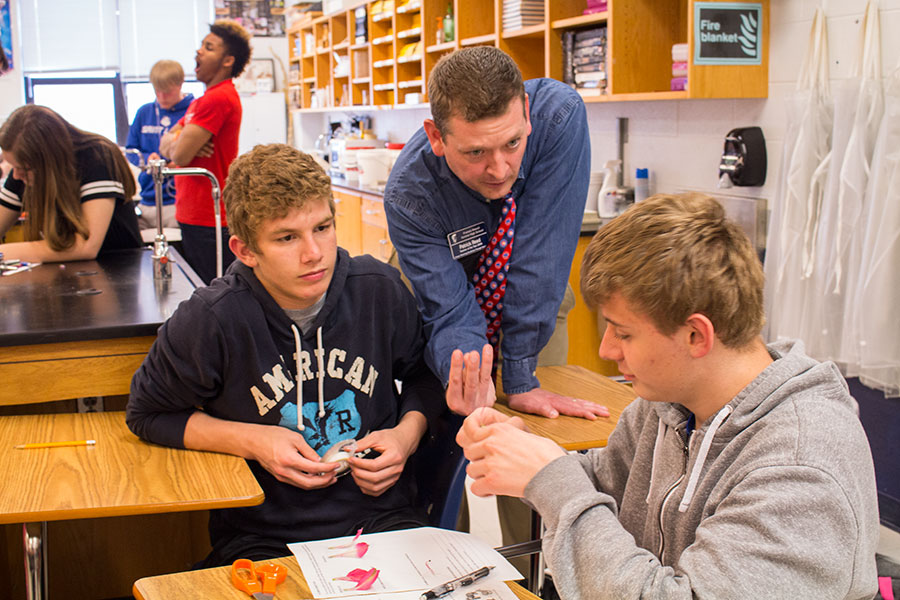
x=267 y=183
x=673 y=256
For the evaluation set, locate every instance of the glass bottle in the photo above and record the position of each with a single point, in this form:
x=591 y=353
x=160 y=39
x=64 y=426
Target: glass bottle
x=448 y=23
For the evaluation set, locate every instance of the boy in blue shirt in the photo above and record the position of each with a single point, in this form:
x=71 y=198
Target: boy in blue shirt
x=150 y=123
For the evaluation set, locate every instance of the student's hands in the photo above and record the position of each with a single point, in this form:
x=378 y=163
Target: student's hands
x=286 y=455
x=503 y=455
x=547 y=404
x=470 y=385
x=374 y=476
x=153 y=156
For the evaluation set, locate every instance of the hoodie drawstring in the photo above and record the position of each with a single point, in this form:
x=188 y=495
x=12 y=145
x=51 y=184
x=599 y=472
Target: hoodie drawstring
x=657 y=450
x=320 y=361
x=701 y=456
x=298 y=377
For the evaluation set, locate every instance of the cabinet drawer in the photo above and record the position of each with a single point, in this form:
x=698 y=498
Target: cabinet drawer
x=373 y=212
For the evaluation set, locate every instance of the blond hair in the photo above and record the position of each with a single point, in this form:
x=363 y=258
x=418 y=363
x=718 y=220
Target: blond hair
x=673 y=256
x=266 y=183
x=166 y=74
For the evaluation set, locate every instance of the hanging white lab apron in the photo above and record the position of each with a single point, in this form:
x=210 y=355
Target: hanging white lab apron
x=878 y=298
x=790 y=244
x=858 y=109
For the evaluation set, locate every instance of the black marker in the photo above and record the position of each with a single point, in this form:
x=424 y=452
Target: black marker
x=446 y=588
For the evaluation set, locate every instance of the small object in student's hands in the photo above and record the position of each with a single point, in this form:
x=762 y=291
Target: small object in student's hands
x=258 y=581
x=56 y=444
x=453 y=584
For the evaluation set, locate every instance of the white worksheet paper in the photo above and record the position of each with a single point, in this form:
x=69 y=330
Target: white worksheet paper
x=410 y=561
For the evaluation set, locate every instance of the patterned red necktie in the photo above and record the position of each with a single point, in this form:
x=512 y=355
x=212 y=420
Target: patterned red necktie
x=493 y=265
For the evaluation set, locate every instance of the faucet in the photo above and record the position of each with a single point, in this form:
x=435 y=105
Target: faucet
x=162 y=266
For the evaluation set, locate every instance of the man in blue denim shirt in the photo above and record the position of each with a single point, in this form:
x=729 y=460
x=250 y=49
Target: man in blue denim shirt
x=490 y=135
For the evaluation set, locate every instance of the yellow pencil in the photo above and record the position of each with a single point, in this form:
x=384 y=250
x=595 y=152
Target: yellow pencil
x=56 y=444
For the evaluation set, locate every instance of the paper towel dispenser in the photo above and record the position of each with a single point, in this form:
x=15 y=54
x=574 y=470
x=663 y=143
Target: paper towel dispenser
x=744 y=158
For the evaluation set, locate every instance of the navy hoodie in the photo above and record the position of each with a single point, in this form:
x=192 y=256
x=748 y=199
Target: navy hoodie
x=230 y=350
x=151 y=122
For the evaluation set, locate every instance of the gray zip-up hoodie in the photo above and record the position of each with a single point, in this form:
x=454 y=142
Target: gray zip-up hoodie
x=772 y=497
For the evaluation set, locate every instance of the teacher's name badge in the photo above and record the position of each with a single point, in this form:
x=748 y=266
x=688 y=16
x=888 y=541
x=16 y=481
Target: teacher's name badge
x=468 y=240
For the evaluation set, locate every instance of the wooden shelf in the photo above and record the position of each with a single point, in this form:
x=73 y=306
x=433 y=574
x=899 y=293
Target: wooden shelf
x=412 y=7
x=640 y=36
x=479 y=40
x=441 y=47
x=580 y=20
x=408 y=33
x=532 y=31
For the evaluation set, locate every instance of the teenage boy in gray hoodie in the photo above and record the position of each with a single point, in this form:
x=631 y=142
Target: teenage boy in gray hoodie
x=740 y=471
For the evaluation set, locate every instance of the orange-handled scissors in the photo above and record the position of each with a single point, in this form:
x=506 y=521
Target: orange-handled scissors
x=258 y=581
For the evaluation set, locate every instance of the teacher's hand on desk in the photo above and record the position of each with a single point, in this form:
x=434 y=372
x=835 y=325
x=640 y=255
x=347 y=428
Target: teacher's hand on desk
x=547 y=404
x=503 y=455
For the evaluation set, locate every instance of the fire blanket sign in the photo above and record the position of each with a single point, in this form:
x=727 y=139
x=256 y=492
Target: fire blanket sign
x=727 y=33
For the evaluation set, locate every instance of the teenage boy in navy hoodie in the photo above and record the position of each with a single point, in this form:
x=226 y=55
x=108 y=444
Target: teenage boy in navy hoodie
x=151 y=122
x=295 y=327
x=740 y=471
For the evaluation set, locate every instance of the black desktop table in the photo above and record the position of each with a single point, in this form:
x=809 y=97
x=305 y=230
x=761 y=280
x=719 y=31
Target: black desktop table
x=82 y=328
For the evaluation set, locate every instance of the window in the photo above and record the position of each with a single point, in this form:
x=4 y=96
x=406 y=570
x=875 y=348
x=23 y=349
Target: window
x=90 y=83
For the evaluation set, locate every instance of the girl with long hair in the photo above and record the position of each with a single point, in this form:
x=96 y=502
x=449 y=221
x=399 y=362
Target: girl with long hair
x=76 y=187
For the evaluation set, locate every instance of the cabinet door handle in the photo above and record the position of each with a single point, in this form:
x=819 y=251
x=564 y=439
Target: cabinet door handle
x=371 y=212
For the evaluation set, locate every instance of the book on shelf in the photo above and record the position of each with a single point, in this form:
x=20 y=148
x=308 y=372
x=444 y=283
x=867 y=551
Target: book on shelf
x=590 y=67
x=568 y=43
x=590 y=77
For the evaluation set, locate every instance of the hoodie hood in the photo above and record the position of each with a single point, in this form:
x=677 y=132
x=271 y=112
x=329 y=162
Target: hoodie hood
x=179 y=107
x=790 y=372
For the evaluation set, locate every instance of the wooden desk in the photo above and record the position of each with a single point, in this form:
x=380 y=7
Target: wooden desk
x=121 y=475
x=570 y=432
x=88 y=323
x=215 y=584
x=574 y=433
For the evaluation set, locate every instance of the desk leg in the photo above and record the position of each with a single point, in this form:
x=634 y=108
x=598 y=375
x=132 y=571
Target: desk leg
x=34 y=537
x=536 y=580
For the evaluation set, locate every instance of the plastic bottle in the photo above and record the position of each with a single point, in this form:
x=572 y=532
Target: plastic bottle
x=641 y=185
x=448 y=23
x=608 y=196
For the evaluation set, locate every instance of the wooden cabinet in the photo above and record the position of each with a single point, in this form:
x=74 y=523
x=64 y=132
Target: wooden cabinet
x=375 y=238
x=391 y=62
x=348 y=221
x=361 y=223
x=583 y=323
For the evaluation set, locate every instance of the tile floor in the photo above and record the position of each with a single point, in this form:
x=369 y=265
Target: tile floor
x=483 y=520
